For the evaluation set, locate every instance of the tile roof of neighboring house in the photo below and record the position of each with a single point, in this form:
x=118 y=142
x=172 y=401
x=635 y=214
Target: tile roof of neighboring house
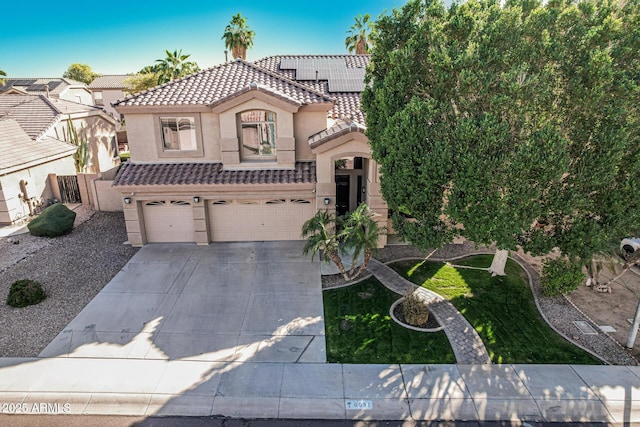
x=132 y=174
x=18 y=149
x=224 y=81
x=37 y=113
x=36 y=86
x=348 y=104
x=112 y=81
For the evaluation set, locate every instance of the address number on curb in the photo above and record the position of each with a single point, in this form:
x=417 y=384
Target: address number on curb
x=358 y=404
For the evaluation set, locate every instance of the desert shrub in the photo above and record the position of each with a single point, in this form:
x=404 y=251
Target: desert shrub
x=415 y=311
x=25 y=292
x=560 y=276
x=54 y=221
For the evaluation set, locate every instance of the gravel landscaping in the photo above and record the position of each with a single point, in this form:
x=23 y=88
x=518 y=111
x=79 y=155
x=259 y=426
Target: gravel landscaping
x=72 y=268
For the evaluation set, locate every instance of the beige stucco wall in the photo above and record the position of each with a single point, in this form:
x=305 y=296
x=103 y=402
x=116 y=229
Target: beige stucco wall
x=101 y=137
x=145 y=139
x=12 y=204
x=77 y=94
x=109 y=96
x=307 y=123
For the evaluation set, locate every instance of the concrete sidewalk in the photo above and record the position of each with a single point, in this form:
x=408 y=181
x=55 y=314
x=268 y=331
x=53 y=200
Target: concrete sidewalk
x=320 y=390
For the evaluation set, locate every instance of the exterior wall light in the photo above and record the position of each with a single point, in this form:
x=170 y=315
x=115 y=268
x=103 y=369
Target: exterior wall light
x=196 y=199
x=127 y=200
x=327 y=200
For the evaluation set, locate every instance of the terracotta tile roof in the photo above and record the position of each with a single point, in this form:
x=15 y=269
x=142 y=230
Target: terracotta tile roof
x=19 y=150
x=213 y=84
x=348 y=104
x=37 y=113
x=340 y=128
x=112 y=81
x=134 y=174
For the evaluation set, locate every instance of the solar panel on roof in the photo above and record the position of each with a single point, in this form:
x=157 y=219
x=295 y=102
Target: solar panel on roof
x=21 y=82
x=37 y=88
x=289 y=63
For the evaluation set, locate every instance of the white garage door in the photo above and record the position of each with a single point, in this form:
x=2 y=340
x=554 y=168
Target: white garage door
x=247 y=220
x=168 y=221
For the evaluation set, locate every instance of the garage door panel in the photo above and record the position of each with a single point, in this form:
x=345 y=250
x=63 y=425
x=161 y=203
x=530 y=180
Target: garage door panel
x=168 y=222
x=279 y=219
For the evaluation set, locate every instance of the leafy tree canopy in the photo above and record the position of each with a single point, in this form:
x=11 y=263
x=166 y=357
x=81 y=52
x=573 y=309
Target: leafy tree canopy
x=2 y=76
x=515 y=124
x=80 y=72
x=141 y=82
x=238 y=37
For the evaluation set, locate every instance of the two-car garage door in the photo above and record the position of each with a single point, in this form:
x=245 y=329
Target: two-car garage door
x=230 y=220
x=247 y=220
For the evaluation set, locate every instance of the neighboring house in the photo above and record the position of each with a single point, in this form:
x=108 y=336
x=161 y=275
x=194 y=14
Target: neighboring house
x=56 y=87
x=25 y=165
x=42 y=117
x=108 y=89
x=247 y=151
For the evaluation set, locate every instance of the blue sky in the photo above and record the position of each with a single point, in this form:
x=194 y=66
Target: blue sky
x=119 y=37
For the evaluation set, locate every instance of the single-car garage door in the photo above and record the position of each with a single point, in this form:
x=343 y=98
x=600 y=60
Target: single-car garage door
x=260 y=219
x=168 y=221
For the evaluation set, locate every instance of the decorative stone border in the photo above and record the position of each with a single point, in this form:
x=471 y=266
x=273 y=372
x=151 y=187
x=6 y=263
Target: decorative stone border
x=414 y=328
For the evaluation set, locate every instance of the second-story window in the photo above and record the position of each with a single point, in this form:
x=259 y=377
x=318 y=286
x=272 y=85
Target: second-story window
x=178 y=133
x=258 y=134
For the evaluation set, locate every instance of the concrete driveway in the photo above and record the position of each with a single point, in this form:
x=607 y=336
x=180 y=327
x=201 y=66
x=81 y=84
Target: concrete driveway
x=255 y=301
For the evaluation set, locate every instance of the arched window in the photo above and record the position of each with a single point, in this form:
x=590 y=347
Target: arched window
x=258 y=134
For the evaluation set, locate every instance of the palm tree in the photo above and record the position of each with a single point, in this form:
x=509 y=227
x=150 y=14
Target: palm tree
x=174 y=66
x=320 y=232
x=3 y=74
x=359 y=233
x=238 y=37
x=359 y=39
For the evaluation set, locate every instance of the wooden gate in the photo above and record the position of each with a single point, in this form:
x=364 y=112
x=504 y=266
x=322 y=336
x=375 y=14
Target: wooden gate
x=69 y=189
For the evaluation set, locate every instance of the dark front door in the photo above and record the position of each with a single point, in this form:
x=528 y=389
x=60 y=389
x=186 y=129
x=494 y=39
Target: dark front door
x=342 y=194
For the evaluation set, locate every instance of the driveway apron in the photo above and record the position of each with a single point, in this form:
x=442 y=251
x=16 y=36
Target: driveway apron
x=253 y=301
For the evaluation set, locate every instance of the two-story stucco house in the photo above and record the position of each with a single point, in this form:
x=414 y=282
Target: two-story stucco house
x=247 y=151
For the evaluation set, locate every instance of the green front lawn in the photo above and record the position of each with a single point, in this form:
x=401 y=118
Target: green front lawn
x=501 y=309
x=360 y=330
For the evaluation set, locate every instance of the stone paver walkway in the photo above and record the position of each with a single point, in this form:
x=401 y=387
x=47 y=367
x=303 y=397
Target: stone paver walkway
x=465 y=342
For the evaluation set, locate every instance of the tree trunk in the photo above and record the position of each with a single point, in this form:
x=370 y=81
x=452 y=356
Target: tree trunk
x=634 y=327
x=365 y=261
x=499 y=262
x=333 y=256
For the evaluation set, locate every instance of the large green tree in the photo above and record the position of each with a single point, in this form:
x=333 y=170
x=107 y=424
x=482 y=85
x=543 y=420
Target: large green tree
x=514 y=124
x=80 y=72
x=359 y=38
x=238 y=38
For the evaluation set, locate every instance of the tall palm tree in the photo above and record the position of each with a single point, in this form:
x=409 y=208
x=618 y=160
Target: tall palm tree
x=3 y=74
x=173 y=66
x=359 y=39
x=238 y=37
